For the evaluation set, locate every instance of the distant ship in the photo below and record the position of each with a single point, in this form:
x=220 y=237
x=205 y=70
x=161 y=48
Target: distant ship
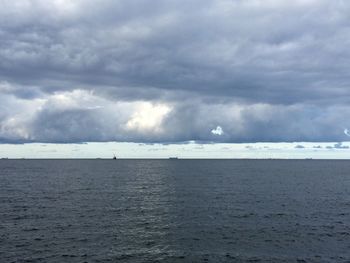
x=114 y=157
x=173 y=158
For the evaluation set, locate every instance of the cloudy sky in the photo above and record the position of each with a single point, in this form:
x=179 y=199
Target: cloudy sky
x=173 y=71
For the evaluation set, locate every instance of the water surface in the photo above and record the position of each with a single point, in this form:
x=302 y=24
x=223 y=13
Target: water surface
x=174 y=211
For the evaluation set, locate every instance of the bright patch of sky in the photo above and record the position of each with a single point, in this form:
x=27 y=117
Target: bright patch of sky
x=299 y=150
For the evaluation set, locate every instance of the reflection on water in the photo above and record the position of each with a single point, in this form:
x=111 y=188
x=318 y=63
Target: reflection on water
x=174 y=211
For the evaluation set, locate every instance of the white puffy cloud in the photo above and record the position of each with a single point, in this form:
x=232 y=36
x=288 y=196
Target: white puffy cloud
x=148 y=117
x=346 y=132
x=217 y=131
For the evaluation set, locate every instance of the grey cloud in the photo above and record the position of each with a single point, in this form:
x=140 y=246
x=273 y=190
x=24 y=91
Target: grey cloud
x=338 y=145
x=201 y=46
x=299 y=146
x=262 y=122
x=261 y=70
x=247 y=123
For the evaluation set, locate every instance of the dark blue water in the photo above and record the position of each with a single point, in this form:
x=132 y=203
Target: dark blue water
x=174 y=211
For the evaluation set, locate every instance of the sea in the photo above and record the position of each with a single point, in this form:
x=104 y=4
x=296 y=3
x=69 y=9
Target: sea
x=174 y=210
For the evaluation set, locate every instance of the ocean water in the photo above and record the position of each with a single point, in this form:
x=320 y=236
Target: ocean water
x=174 y=211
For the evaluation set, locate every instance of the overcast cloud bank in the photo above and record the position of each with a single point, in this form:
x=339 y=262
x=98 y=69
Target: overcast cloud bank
x=173 y=71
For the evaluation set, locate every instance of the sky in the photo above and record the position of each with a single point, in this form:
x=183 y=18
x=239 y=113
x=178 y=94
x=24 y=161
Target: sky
x=198 y=78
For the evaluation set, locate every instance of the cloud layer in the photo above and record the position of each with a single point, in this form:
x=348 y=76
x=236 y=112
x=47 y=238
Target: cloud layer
x=172 y=71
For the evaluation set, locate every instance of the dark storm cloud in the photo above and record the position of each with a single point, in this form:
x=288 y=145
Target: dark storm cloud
x=261 y=70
